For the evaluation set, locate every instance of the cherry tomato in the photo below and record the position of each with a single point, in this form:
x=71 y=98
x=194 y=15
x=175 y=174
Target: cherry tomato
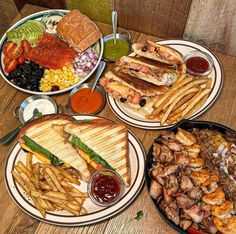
x=6 y=60
x=11 y=66
x=15 y=52
x=6 y=47
x=26 y=46
x=22 y=59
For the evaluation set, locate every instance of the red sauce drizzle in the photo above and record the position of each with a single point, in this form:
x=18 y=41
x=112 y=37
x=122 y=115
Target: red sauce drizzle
x=105 y=188
x=197 y=64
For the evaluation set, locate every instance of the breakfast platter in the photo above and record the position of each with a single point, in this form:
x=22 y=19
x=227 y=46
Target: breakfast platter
x=189 y=191
x=138 y=118
x=94 y=213
x=39 y=55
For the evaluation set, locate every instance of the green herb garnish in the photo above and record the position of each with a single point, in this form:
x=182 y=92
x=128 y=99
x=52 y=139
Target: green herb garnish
x=82 y=121
x=139 y=215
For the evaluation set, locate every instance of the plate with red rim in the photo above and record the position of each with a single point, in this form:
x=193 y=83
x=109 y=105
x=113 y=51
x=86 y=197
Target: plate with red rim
x=95 y=213
x=39 y=16
x=138 y=120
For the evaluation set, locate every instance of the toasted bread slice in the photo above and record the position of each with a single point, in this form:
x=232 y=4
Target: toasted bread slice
x=48 y=133
x=108 y=140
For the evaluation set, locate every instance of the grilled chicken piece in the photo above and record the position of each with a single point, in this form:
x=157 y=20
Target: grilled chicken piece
x=170 y=169
x=167 y=198
x=172 y=212
x=186 y=183
x=185 y=223
x=225 y=210
x=226 y=225
x=168 y=135
x=196 y=163
x=195 y=213
x=166 y=155
x=215 y=198
x=171 y=185
x=157 y=170
x=199 y=177
x=210 y=185
x=193 y=150
x=209 y=225
x=184 y=201
x=155 y=189
x=156 y=151
x=195 y=194
x=175 y=146
x=181 y=157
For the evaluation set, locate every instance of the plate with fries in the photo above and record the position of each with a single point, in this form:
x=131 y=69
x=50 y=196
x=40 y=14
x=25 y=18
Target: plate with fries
x=187 y=98
x=58 y=196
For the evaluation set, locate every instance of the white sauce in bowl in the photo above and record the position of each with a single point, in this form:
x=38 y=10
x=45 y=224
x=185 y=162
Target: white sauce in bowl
x=43 y=105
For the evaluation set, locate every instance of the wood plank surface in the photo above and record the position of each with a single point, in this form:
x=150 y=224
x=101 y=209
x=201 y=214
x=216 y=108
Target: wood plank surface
x=13 y=220
x=213 y=23
x=162 y=18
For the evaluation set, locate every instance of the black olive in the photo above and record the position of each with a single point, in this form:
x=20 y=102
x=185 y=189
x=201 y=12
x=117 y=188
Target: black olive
x=142 y=102
x=33 y=80
x=144 y=49
x=21 y=67
x=13 y=81
x=34 y=66
x=28 y=87
x=23 y=81
x=38 y=73
x=123 y=99
x=17 y=73
x=27 y=69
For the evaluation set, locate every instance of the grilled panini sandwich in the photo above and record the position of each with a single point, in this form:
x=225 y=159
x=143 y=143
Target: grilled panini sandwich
x=133 y=91
x=49 y=144
x=147 y=69
x=102 y=145
x=158 y=52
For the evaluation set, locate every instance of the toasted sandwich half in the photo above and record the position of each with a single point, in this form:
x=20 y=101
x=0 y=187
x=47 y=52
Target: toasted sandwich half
x=147 y=69
x=133 y=91
x=48 y=143
x=102 y=145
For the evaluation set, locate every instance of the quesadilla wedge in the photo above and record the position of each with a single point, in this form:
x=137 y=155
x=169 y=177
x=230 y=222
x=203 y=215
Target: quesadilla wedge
x=102 y=145
x=161 y=53
x=43 y=137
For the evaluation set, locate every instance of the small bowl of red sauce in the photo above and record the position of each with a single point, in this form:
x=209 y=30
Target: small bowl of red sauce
x=84 y=101
x=198 y=63
x=105 y=187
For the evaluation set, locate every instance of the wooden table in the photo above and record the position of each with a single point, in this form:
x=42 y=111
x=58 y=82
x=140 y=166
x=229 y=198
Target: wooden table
x=13 y=220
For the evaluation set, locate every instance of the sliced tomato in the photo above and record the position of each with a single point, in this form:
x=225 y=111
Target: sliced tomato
x=25 y=44
x=6 y=47
x=22 y=59
x=11 y=66
x=15 y=52
x=6 y=60
x=191 y=230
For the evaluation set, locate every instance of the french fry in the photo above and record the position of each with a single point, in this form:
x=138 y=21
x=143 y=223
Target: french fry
x=56 y=194
x=22 y=183
x=24 y=169
x=183 y=100
x=83 y=211
x=74 y=191
x=167 y=113
x=49 y=180
x=29 y=161
x=57 y=173
x=195 y=101
x=185 y=88
x=54 y=179
x=69 y=176
x=75 y=212
x=65 y=185
x=44 y=185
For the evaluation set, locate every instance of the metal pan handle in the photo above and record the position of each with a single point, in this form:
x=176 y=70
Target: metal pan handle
x=15 y=111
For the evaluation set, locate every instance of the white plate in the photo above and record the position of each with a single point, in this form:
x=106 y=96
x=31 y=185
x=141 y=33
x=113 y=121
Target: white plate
x=95 y=213
x=38 y=16
x=135 y=119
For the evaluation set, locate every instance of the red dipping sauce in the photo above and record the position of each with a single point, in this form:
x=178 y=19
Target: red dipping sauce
x=106 y=187
x=197 y=64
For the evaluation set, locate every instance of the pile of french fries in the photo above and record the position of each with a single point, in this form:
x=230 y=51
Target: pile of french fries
x=50 y=187
x=183 y=99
